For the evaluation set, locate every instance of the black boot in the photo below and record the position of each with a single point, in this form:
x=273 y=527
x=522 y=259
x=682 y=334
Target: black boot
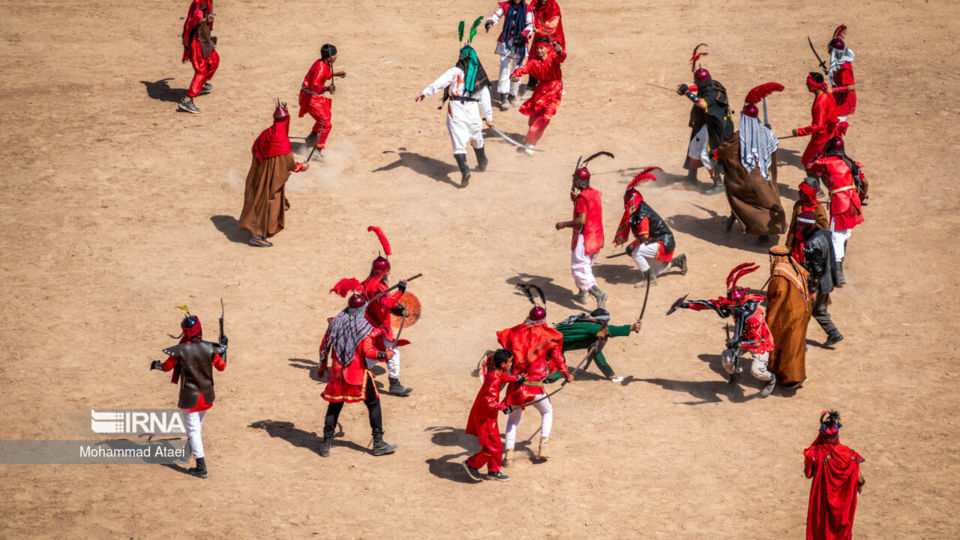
x=680 y=262
x=481 y=159
x=717 y=187
x=691 y=176
x=768 y=388
x=381 y=448
x=464 y=170
x=504 y=102
x=200 y=471
x=398 y=389
x=325 y=443
x=833 y=339
x=840 y=279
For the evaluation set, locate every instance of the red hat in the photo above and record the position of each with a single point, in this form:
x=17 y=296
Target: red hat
x=701 y=75
x=356 y=301
x=381 y=263
x=758 y=94
x=582 y=173
x=750 y=110
x=735 y=294
x=537 y=313
x=280 y=113
x=645 y=175
x=835 y=145
x=837 y=41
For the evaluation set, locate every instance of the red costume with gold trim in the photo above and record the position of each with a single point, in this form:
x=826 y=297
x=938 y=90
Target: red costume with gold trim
x=545 y=100
x=845 y=205
x=537 y=350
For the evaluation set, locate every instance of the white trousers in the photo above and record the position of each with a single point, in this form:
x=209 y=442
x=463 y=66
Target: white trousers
x=840 y=238
x=758 y=367
x=581 y=266
x=645 y=255
x=393 y=365
x=699 y=149
x=465 y=126
x=546 y=420
x=504 y=85
x=194 y=421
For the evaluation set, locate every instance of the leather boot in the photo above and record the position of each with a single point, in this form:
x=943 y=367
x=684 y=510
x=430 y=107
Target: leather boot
x=398 y=389
x=717 y=187
x=768 y=388
x=833 y=339
x=544 y=452
x=381 y=448
x=481 y=159
x=507 y=458
x=680 y=262
x=691 y=176
x=464 y=170
x=841 y=280
x=599 y=295
x=325 y=444
x=200 y=471
x=580 y=297
x=504 y=102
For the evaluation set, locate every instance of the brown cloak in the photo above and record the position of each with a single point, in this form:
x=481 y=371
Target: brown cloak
x=788 y=312
x=264 y=198
x=754 y=201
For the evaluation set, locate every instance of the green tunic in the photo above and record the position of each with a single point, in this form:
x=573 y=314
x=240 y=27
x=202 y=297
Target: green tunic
x=580 y=335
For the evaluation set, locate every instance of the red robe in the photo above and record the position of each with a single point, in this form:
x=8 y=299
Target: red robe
x=349 y=383
x=317 y=105
x=483 y=421
x=846 y=99
x=548 y=22
x=537 y=351
x=589 y=202
x=546 y=96
x=824 y=127
x=845 y=209
x=835 y=469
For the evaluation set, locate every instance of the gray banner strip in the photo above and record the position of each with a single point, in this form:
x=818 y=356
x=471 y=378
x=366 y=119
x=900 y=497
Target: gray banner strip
x=111 y=451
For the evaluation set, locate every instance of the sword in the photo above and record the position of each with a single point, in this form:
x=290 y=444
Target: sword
x=507 y=138
x=765 y=121
x=662 y=87
x=823 y=65
x=646 y=295
x=621 y=254
x=408 y=280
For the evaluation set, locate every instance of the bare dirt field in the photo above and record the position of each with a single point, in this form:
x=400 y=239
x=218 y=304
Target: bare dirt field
x=114 y=208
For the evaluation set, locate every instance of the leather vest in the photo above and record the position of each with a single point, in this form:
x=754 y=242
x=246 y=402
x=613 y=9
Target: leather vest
x=196 y=371
x=659 y=232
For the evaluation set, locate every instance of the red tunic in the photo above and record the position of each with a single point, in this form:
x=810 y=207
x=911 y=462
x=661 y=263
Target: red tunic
x=758 y=331
x=835 y=469
x=824 y=127
x=537 y=350
x=202 y=404
x=315 y=81
x=546 y=97
x=589 y=203
x=378 y=313
x=846 y=99
x=349 y=383
x=845 y=209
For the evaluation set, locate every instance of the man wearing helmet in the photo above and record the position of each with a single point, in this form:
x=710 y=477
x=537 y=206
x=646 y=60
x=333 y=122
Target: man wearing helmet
x=840 y=74
x=351 y=340
x=192 y=362
x=587 y=237
x=314 y=95
x=264 y=196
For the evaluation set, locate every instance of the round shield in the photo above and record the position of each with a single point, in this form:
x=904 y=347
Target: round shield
x=412 y=304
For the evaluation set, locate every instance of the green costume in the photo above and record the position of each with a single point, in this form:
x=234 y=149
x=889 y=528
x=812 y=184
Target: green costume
x=580 y=335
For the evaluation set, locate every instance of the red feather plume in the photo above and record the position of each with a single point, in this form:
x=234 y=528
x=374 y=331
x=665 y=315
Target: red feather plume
x=382 y=237
x=740 y=270
x=759 y=92
x=644 y=176
x=347 y=286
x=696 y=56
x=840 y=32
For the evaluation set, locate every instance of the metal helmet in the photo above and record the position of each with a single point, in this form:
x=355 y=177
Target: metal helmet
x=280 y=114
x=381 y=264
x=190 y=325
x=356 y=301
x=737 y=295
x=537 y=313
x=701 y=75
x=837 y=44
x=750 y=109
x=835 y=145
x=582 y=174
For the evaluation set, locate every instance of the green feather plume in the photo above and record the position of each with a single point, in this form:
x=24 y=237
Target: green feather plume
x=473 y=29
x=461 y=31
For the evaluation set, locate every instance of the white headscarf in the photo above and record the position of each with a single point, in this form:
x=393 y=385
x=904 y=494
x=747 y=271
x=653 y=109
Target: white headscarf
x=757 y=143
x=839 y=57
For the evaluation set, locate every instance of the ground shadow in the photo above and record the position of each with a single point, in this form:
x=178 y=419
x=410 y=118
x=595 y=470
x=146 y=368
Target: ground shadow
x=178 y=468
x=311 y=365
x=300 y=438
x=712 y=228
x=161 y=91
x=230 y=228
x=561 y=296
x=426 y=166
x=449 y=466
x=625 y=272
x=789 y=158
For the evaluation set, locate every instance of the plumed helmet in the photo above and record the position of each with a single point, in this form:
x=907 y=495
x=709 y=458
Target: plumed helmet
x=835 y=145
x=737 y=295
x=582 y=174
x=701 y=75
x=356 y=301
x=381 y=264
x=537 y=313
x=837 y=44
x=280 y=114
x=750 y=109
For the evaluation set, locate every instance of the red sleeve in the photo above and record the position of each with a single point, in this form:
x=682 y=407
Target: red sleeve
x=492 y=399
x=524 y=69
x=170 y=363
x=219 y=363
x=556 y=361
x=809 y=462
x=819 y=117
x=580 y=205
x=559 y=58
x=367 y=349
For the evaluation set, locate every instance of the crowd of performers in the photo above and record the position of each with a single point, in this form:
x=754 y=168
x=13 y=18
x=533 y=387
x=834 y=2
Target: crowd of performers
x=769 y=324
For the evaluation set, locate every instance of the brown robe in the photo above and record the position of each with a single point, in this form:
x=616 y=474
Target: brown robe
x=819 y=215
x=788 y=312
x=754 y=201
x=264 y=198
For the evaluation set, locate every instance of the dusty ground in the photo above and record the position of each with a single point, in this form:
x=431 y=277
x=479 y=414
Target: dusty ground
x=115 y=207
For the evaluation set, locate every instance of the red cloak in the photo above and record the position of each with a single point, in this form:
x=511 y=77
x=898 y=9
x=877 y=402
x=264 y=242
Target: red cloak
x=845 y=97
x=835 y=469
x=537 y=350
x=589 y=202
x=273 y=141
x=548 y=22
x=378 y=313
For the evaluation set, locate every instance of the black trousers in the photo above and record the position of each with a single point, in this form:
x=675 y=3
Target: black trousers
x=822 y=316
x=373 y=411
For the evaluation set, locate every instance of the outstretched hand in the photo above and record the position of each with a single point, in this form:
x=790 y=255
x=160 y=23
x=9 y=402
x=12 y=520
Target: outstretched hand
x=340 y=74
x=568 y=376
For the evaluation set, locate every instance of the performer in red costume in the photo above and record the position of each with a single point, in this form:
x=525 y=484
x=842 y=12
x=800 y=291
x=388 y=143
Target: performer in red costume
x=841 y=74
x=848 y=188
x=199 y=48
x=653 y=245
x=808 y=214
x=750 y=334
x=837 y=480
x=587 y=237
x=537 y=350
x=545 y=100
x=825 y=123
x=314 y=92
x=483 y=417
x=352 y=340
x=192 y=362
x=378 y=312
x=547 y=24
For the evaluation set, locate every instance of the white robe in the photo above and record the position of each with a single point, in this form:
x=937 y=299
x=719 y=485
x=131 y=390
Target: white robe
x=463 y=117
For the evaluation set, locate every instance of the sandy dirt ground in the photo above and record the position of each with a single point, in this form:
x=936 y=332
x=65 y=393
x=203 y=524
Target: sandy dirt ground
x=114 y=208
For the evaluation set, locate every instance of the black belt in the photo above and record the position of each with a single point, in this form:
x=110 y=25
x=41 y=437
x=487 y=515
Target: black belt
x=463 y=99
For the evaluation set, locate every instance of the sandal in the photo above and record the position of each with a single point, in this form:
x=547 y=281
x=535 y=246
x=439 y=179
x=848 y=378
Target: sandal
x=259 y=241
